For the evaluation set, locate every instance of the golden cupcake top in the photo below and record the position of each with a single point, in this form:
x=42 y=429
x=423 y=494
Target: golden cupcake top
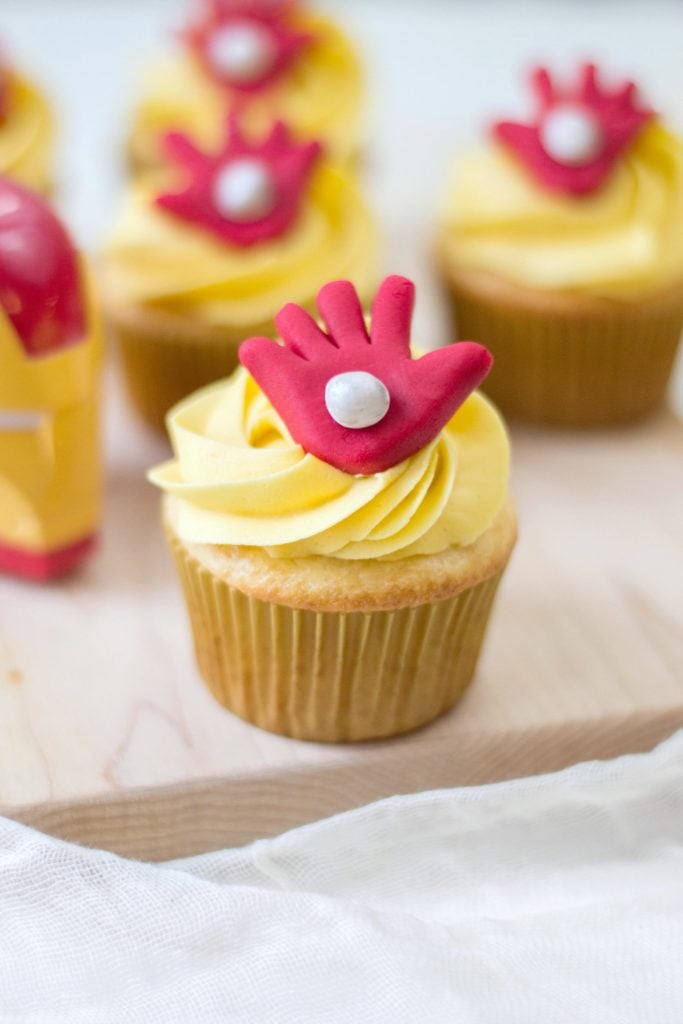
x=338 y=441
x=267 y=58
x=586 y=197
x=25 y=130
x=228 y=236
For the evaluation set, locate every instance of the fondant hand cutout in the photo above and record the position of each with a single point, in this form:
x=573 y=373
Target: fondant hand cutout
x=578 y=134
x=246 y=192
x=246 y=45
x=355 y=398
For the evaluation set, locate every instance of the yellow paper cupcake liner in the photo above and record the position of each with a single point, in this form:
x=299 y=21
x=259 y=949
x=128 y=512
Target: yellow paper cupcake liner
x=160 y=370
x=590 y=367
x=328 y=676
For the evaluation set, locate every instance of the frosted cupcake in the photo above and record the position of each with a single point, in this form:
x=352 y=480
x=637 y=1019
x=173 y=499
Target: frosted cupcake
x=25 y=131
x=339 y=514
x=562 y=248
x=269 y=59
x=194 y=268
x=50 y=353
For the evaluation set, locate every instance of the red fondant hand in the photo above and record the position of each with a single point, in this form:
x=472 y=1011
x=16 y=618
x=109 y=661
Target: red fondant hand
x=578 y=134
x=397 y=404
x=246 y=45
x=247 y=192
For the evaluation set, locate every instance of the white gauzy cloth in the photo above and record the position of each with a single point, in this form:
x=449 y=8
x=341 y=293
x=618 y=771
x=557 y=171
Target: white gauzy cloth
x=553 y=900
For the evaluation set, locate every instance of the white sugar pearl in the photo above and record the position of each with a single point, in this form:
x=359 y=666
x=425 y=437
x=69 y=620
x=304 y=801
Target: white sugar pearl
x=244 y=190
x=572 y=135
x=356 y=399
x=243 y=53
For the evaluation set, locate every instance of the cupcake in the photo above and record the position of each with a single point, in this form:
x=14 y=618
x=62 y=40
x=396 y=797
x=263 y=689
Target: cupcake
x=207 y=258
x=339 y=514
x=271 y=59
x=25 y=131
x=50 y=351
x=562 y=249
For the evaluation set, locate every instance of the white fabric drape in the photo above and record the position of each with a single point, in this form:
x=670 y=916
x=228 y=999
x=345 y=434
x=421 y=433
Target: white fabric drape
x=553 y=900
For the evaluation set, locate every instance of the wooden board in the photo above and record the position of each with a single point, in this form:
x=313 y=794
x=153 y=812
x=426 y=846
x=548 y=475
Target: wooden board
x=107 y=735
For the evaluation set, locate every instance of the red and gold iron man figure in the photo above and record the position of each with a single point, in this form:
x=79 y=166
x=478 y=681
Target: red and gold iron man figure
x=50 y=355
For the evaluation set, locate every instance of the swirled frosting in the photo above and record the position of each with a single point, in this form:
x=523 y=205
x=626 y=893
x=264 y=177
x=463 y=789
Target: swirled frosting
x=239 y=479
x=319 y=96
x=26 y=135
x=157 y=259
x=621 y=241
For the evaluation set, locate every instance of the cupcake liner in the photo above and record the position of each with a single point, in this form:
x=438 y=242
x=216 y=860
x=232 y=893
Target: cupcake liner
x=160 y=369
x=594 y=365
x=332 y=676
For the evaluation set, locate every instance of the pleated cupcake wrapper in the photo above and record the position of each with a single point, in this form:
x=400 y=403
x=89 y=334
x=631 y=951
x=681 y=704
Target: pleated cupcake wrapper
x=584 y=370
x=160 y=371
x=332 y=676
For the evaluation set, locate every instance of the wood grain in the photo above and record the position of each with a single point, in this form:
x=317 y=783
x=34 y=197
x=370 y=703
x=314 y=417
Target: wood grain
x=166 y=822
x=107 y=735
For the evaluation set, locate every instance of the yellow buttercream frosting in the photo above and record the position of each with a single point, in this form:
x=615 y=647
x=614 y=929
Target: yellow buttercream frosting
x=239 y=479
x=621 y=241
x=318 y=97
x=26 y=135
x=157 y=259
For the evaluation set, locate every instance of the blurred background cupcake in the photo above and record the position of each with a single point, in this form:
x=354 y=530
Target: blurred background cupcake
x=50 y=354
x=267 y=58
x=339 y=515
x=207 y=257
x=26 y=129
x=562 y=249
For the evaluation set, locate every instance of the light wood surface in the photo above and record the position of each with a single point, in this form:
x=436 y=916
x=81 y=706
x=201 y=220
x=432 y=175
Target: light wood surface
x=107 y=735
x=99 y=694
